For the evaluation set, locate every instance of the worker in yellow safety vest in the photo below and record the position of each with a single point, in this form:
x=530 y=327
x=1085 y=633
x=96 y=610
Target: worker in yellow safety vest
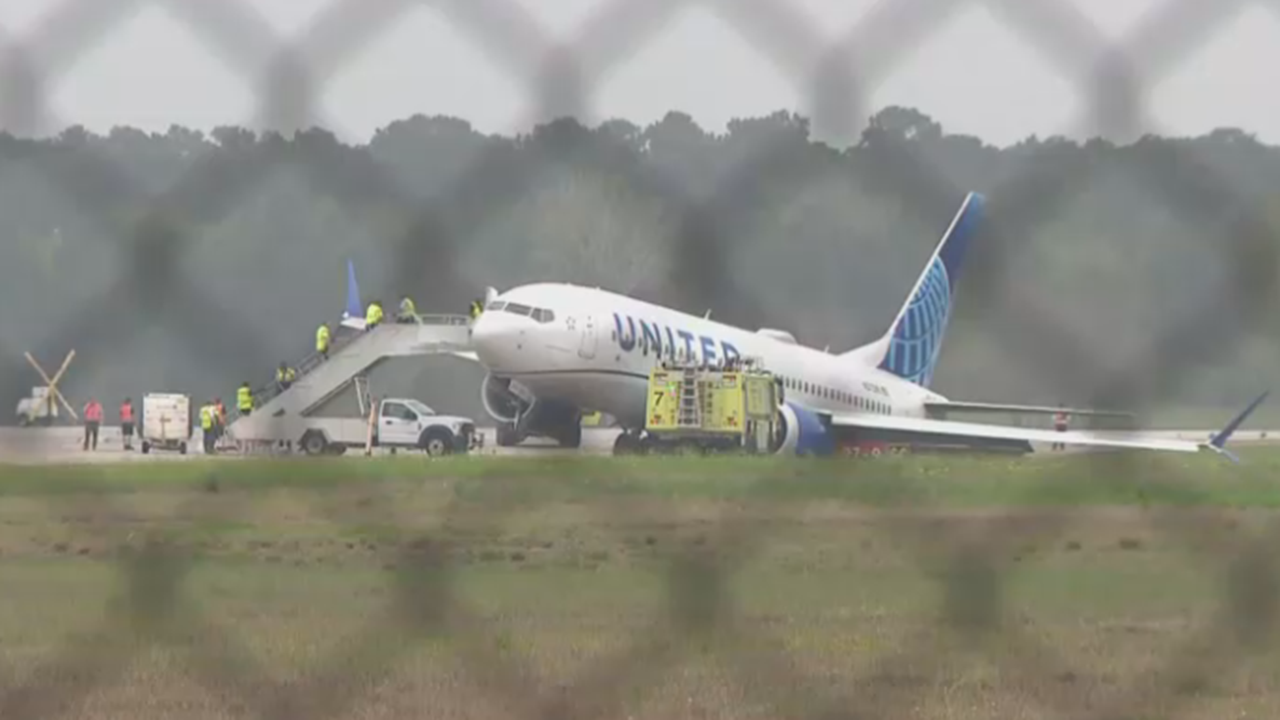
x=373 y=315
x=285 y=376
x=477 y=307
x=322 y=340
x=206 y=426
x=408 y=312
x=244 y=399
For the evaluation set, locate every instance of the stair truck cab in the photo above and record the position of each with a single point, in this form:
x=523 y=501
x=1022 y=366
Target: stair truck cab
x=395 y=423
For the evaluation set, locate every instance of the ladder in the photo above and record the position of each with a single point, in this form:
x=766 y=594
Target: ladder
x=705 y=399
x=690 y=400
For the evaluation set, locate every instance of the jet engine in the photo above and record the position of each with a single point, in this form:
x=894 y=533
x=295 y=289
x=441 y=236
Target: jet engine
x=519 y=417
x=803 y=433
x=499 y=401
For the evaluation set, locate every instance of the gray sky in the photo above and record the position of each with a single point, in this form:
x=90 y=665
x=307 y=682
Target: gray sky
x=973 y=73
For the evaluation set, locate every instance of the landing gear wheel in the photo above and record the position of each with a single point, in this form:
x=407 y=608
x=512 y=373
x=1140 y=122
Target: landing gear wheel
x=648 y=446
x=629 y=444
x=571 y=436
x=506 y=435
x=623 y=445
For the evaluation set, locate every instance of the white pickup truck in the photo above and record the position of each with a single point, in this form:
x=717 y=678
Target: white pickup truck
x=38 y=409
x=401 y=423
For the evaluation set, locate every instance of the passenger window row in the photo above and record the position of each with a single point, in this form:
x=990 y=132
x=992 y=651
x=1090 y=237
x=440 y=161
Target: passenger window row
x=541 y=315
x=854 y=401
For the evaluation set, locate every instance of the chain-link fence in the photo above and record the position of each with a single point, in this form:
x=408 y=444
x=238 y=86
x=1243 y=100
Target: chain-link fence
x=424 y=605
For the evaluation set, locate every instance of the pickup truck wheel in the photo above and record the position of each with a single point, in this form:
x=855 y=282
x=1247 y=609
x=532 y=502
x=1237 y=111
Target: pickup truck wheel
x=437 y=442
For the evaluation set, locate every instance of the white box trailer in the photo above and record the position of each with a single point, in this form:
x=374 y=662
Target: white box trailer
x=166 y=422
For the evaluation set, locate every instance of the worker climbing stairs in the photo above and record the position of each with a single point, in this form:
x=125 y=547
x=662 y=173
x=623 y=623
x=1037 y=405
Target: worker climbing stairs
x=343 y=357
x=352 y=355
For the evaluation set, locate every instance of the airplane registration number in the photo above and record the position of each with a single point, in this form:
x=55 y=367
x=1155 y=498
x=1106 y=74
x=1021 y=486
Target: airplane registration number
x=874 y=449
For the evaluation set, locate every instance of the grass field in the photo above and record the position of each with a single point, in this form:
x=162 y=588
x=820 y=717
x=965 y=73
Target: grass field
x=920 y=587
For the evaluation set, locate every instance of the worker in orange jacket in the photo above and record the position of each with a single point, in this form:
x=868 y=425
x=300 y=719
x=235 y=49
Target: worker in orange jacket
x=126 y=423
x=220 y=419
x=1060 y=420
x=92 y=421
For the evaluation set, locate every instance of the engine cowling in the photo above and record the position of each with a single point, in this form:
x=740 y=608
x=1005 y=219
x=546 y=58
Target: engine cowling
x=803 y=433
x=499 y=401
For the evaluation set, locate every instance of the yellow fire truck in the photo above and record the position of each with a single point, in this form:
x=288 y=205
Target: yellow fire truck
x=731 y=408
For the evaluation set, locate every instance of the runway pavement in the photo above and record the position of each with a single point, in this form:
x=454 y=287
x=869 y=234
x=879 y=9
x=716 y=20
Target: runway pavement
x=63 y=445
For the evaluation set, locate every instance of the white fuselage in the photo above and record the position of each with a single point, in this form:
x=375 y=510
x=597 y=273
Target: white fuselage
x=595 y=349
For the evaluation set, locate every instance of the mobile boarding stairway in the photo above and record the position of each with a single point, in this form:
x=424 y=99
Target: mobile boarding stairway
x=354 y=352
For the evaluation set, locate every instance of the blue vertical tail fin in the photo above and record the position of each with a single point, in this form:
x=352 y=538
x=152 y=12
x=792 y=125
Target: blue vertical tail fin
x=354 y=308
x=911 y=346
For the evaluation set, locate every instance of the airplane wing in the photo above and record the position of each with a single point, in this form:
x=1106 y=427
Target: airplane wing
x=981 y=431
x=1025 y=409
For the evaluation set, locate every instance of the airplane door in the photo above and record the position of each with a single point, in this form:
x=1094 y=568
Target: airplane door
x=587 y=348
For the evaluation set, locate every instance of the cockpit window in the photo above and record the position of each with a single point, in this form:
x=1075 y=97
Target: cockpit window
x=541 y=315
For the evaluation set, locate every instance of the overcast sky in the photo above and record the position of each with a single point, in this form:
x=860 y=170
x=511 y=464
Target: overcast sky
x=972 y=71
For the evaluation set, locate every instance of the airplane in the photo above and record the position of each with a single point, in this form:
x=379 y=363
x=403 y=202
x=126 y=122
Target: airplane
x=552 y=349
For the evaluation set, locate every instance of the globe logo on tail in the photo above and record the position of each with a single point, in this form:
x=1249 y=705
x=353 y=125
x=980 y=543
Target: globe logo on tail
x=913 y=350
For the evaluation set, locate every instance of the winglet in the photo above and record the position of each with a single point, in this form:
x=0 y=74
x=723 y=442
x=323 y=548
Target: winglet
x=354 y=309
x=1218 y=443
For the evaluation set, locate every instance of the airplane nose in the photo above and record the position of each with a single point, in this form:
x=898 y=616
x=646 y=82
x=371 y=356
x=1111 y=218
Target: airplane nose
x=488 y=334
x=481 y=331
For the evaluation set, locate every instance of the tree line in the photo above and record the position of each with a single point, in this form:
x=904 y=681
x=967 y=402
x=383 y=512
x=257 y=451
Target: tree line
x=190 y=262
